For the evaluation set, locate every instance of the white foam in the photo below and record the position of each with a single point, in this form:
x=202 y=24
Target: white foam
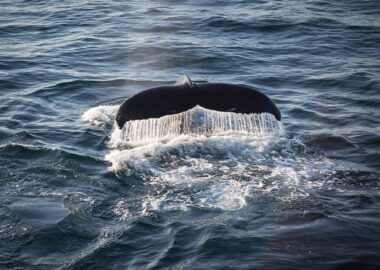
x=227 y=195
x=220 y=171
x=167 y=201
x=100 y=115
x=121 y=210
x=207 y=159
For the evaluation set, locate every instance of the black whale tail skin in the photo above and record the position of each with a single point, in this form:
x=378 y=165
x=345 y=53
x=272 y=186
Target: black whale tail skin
x=184 y=95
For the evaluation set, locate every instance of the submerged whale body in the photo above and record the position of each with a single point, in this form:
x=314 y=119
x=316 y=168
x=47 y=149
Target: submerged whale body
x=185 y=95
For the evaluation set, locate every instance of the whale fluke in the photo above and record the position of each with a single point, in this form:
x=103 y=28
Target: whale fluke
x=184 y=95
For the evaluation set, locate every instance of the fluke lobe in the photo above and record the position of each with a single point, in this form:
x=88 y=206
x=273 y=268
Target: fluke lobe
x=184 y=95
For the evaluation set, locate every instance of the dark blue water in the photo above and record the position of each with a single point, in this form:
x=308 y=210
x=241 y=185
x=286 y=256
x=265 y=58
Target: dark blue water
x=307 y=200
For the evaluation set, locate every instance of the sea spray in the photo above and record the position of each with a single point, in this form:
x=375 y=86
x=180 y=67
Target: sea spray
x=100 y=115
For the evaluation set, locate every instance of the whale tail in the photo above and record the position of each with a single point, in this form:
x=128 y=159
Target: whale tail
x=184 y=95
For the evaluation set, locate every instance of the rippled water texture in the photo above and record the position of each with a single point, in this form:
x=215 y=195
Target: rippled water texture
x=73 y=198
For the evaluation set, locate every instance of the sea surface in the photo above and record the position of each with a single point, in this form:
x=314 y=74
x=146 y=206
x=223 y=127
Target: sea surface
x=72 y=198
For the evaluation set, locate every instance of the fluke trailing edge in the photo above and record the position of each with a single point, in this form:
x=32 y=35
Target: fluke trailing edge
x=184 y=95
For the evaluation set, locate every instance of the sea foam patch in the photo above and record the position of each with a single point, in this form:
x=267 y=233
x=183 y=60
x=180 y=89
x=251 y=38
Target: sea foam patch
x=221 y=172
x=208 y=159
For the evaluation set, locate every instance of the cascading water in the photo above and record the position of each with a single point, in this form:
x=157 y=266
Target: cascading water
x=197 y=121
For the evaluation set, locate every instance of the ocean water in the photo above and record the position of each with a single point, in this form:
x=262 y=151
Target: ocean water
x=73 y=195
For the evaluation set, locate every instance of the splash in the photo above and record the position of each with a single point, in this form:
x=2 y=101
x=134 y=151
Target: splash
x=100 y=115
x=196 y=121
x=229 y=172
x=207 y=159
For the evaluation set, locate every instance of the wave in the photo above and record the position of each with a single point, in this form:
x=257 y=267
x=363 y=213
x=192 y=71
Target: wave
x=269 y=25
x=15 y=146
x=31 y=151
